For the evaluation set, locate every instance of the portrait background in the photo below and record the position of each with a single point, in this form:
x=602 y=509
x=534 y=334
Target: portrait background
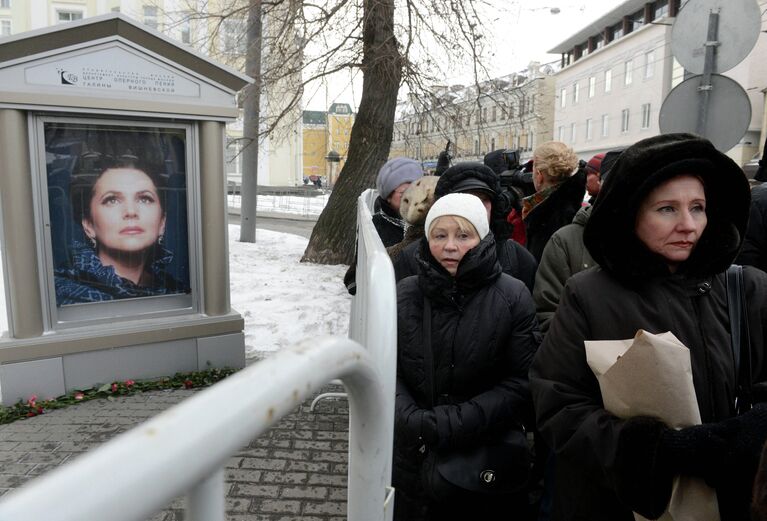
x=71 y=147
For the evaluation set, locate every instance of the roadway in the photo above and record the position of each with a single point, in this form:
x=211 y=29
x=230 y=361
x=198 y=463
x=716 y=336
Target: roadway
x=280 y=224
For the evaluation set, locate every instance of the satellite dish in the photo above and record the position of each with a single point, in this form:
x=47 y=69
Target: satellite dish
x=729 y=111
x=739 y=24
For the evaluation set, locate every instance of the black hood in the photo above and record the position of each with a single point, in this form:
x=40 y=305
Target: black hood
x=502 y=205
x=610 y=236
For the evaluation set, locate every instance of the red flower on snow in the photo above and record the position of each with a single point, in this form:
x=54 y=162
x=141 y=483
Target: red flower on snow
x=188 y=384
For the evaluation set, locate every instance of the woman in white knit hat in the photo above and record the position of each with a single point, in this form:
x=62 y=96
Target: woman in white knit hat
x=466 y=337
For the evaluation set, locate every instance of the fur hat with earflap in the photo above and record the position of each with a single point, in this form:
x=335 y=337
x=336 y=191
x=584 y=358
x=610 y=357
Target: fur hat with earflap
x=415 y=204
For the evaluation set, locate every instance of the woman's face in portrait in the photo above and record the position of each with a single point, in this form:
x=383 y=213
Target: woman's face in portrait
x=672 y=218
x=448 y=243
x=125 y=211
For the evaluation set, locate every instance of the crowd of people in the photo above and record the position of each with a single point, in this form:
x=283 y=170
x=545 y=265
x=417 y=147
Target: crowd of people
x=499 y=413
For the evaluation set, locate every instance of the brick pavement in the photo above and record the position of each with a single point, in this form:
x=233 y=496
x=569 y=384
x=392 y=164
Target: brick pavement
x=295 y=471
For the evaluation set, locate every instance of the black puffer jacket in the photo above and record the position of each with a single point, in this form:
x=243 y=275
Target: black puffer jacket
x=556 y=211
x=388 y=223
x=754 y=252
x=634 y=290
x=484 y=335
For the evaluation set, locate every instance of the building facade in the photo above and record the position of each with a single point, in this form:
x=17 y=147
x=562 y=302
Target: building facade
x=326 y=138
x=616 y=73
x=514 y=111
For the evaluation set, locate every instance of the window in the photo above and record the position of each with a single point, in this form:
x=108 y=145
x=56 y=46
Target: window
x=599 y=41
x=484 y=115
x=608 y=80
x=494 y=116
x=617 y=30
x=5 y=4
x=637 y=20
x=625 y=120
x=563 y=98
x=468 y=120
x=68 y=16
x=476 y=147
x=492 y=144
x=627 y=72
x=661 y=9
x=588 y=129
x=150 y=16
x=503 y=112
x=185 y=28
x=561 y=133
x=649 y=64
x=235 y=35
x=572 y=132
x=5 y=27
x=646 y=115
x=605 y=125
x=576 y=92
x=592 y=86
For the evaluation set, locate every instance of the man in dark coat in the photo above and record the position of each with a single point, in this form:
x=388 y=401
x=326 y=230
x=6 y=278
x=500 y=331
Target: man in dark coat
x=605 y=466
x=754 y=252
x=478 y=179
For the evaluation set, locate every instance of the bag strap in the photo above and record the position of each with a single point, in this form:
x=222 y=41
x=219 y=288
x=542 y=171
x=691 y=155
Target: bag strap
x=740 y=338
x=428 y=354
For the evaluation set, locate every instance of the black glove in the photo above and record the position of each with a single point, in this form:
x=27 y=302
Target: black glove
x=746 y=435
x=650 y=454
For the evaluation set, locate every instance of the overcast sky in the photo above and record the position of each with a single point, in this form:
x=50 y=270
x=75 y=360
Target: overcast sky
x=521 y=35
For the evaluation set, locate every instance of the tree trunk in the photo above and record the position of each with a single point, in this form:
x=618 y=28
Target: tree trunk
x=252 y=114
x=333 y=237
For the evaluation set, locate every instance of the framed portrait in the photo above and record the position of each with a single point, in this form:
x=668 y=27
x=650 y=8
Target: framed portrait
x=116 y=201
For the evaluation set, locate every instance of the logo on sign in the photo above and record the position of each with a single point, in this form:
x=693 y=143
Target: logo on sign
x=67 y=78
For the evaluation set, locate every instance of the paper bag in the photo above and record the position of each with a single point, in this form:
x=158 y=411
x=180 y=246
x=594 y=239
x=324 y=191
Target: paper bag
x=651 y=375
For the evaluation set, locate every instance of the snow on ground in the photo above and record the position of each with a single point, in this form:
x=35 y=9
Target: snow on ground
x=288 y=203
x=282 y=300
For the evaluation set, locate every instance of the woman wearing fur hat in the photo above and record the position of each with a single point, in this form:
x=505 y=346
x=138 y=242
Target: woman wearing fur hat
x=668 y=222
x=560 y=187
x=483 y=335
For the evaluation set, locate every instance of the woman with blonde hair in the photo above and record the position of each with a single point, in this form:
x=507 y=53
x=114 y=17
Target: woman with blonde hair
x=559 y=190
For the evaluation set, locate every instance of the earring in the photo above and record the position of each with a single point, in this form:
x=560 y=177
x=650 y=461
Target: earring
x=160 y=239
x=93 y=242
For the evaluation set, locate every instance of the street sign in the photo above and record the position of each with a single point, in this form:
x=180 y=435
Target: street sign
x=738 y=29
x=729 y=110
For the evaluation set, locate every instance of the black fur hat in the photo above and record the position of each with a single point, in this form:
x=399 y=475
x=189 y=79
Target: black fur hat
x=610 y=233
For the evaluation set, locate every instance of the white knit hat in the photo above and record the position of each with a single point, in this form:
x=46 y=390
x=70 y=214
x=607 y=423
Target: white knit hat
x=468 y=206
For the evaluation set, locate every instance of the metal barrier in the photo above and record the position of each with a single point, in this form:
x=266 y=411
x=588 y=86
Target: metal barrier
x=184 y=449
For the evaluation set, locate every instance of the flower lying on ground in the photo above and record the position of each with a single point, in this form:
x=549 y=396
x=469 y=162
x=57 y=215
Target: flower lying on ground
x=34 y=406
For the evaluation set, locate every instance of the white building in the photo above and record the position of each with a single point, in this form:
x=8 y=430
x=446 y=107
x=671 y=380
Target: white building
x=617 y=71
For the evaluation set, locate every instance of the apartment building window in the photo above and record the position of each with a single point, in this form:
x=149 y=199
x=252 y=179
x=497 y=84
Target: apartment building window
x=628 y=72
x=563 y=98
x=605 y=125
x=235 y=35
x=589 y=130
x=625 y=120
x=646 y=115
x=608 y=80
x=637 y=20
x=186 y=27
x=468 y=120
x=572 y=132
x=561 y=133
x=67 y=15
x=576 y=92
x=493 y=115
x=649 y=64
x=484 y=115
x=503 y=111
x=617 y=30
x=5 y=4
x=661 y=9
x=599 y=41
x=150 y=16
x=492 y=144
x=592 y=86
x=476 y=147
x=5 y=27
x=531 y=106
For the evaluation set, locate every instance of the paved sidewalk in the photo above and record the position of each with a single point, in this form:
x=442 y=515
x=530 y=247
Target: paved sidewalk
x=295 y=471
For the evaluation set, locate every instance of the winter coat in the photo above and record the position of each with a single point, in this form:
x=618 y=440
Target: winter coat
x=87 y=280
x=388 y=223
x=633 y=289
x=554 y=212
x=484 y=335
x=514 y=259
x=564 y=256
x=754 y=251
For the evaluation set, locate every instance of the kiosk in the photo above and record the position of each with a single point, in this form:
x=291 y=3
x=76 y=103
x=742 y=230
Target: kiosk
x=113 y=208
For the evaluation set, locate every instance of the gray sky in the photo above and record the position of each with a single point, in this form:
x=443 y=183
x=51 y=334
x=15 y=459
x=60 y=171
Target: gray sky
x=521 y=35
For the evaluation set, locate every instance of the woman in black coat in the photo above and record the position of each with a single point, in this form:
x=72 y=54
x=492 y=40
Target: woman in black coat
x=483 y=337
x=560 y=188
x=667 y=223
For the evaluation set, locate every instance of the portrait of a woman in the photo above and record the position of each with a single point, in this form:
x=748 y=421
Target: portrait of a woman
x=121 y=206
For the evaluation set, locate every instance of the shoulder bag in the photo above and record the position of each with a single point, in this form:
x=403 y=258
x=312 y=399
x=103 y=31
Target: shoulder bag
x=498 y=466
x=741 y=340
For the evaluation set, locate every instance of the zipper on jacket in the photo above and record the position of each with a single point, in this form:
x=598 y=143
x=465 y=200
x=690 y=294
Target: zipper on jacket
x=706 y=358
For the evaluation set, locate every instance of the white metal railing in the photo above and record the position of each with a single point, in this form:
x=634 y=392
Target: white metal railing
x=184 y=449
